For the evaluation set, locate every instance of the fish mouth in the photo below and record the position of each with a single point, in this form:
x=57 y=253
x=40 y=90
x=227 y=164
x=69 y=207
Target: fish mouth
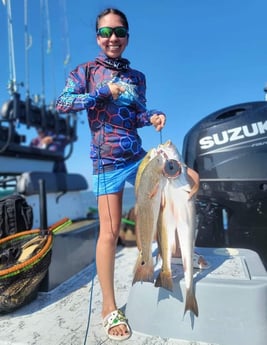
x=172 y=167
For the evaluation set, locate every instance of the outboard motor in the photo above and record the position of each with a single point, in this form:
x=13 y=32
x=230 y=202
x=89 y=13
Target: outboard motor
x=229 y=151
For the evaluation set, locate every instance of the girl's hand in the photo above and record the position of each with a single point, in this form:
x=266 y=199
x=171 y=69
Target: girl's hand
x=158 y=121
x=116 y=90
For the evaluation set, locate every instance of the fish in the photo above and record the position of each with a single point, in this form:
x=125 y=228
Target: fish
x=180 y=192
x=166 y=240
x=148 y=188
x=150 y=154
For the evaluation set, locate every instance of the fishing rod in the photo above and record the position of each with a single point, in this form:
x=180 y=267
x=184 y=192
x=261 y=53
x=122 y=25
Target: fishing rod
x=27 y=46
x=43 y=107
x=12 y=83
x=12 y=86
x=65 y=35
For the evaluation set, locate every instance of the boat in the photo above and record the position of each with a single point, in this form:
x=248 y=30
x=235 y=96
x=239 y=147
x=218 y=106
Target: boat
x=67 y=309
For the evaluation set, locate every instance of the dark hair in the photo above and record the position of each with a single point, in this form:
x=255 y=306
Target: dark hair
x=114 y=11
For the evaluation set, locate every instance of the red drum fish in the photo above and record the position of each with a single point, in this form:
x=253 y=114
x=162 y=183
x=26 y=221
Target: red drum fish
x=149 y=184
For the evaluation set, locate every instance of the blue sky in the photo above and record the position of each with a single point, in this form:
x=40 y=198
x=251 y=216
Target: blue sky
x=198 y=57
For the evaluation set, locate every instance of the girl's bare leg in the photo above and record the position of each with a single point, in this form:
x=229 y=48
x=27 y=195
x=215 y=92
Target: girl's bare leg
x=110 y=213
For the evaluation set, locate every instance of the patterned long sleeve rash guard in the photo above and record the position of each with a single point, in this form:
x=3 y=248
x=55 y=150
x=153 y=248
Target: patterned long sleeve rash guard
x=113 y=123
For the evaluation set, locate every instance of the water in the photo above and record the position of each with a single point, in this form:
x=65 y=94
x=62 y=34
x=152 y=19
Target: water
x=128 y=202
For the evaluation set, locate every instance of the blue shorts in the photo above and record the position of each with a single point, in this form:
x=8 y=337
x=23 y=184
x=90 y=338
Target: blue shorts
x=114 y=181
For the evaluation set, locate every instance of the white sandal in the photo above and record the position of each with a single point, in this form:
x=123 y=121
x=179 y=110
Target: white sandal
x=198 y=262
x=114 y=319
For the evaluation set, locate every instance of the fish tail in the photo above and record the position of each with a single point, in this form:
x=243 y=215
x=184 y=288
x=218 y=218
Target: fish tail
x=164 y=280
x=191 y=303
x=144 y=271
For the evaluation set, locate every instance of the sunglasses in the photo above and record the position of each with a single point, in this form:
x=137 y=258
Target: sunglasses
x=106 y=32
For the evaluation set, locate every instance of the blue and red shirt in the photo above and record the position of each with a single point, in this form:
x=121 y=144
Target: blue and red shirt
x=113 y=123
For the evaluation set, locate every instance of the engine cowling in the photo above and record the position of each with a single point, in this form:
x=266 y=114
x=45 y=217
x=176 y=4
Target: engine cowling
x=228 y=149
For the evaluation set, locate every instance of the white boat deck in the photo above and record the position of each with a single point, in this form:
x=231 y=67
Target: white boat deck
x=70 y=314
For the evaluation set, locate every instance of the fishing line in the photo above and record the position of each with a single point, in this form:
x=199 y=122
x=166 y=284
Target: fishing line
x=91 y=296
x=100 y=165
x=87 y=72
x=160 y=136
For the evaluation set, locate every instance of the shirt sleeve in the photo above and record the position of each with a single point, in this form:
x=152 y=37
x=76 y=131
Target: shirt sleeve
x=74 y=96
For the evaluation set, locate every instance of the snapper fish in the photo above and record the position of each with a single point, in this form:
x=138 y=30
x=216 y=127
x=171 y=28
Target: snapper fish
x=148 y=189
x=178 y=215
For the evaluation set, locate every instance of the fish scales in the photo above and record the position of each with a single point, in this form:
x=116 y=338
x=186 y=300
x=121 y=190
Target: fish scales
x=150 y=154
x=148 y=199
x=184 y=213
x=166 y=240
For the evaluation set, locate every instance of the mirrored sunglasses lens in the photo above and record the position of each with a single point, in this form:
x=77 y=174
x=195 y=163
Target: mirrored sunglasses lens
x=105 y=32
x=120 y=32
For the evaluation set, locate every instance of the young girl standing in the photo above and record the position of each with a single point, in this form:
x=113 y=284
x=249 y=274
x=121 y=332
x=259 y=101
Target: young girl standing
x=114 y=96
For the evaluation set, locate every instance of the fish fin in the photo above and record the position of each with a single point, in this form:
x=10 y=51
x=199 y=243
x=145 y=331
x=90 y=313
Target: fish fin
x=154 y=191
x=164 y=280
x=191 y=303
x=143 y=271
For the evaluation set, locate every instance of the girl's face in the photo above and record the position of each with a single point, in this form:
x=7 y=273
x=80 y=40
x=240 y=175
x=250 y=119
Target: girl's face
x=112 y=46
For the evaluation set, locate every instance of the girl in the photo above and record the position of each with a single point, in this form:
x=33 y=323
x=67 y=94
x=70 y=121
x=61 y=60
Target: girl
x=114 y=96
